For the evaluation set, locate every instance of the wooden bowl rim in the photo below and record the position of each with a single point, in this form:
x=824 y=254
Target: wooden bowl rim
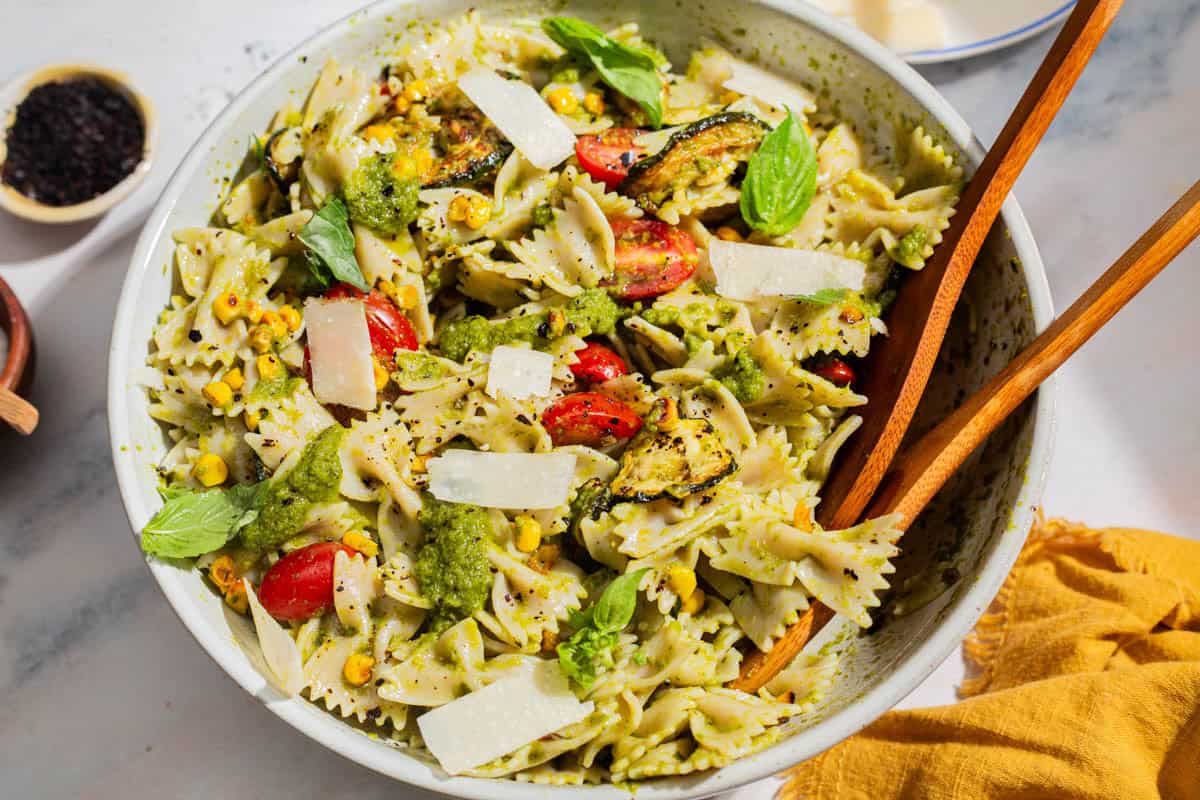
x=15 y=323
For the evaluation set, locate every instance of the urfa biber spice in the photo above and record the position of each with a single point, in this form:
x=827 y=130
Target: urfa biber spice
x=71 y=141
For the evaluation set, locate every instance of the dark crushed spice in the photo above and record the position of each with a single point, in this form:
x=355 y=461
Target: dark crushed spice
x=71 y=141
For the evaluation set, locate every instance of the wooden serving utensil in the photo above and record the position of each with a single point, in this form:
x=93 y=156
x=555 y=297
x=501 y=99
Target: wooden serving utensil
x=17 y=373
x=896 y=371
x=918 y=475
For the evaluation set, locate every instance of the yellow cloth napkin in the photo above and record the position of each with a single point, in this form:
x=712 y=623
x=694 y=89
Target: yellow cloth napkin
x=1086 y=684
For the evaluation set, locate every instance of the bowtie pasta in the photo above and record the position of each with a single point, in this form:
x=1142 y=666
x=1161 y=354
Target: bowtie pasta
x=529 y=352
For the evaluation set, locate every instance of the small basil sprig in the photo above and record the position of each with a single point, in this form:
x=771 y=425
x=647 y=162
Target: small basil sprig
x=781 y=179
x=589 y=649
x=629 y=71
x=194 y=523
x=330 y=246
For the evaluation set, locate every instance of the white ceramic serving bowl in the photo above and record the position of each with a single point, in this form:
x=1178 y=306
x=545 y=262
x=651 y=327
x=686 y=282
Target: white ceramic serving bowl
x=970 y=537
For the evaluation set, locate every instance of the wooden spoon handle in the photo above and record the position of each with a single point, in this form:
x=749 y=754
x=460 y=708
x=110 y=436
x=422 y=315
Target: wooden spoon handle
x=18 y=412
x=899 y=366
x=922 y=471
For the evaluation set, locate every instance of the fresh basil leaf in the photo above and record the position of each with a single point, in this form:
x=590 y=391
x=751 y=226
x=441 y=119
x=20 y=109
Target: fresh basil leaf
x=194 y=523
x=781 y=179
x=825 y=297
x=329 y=240
x=632 y=72
x=616 y=605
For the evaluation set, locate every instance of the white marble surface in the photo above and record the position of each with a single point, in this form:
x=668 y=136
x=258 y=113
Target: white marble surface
x=104 y=693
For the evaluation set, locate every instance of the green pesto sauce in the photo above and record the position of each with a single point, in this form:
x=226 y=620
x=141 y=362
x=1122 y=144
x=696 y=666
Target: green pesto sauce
x=413 y=365
x=288 y=498
x=592 y=312
x=378 y=198
x=452 y=566
x=274 y=389
x=543 y=215
x=742 y=376
x=911 y=249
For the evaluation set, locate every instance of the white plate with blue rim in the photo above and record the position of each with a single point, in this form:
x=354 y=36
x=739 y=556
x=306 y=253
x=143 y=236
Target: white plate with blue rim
x=973 y=27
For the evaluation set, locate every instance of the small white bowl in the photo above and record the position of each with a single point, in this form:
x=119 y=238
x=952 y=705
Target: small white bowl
x=974 y=530
x=17 y=90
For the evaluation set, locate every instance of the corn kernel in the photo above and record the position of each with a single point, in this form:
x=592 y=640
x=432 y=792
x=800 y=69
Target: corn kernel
x=666 y=416
x=269 y=367
x=404 y=167
x=218 y=393
x=479 y=211
x=563 y=100
x=291 y=317
x=416 y=91
x=210 y=470
x=401 y=104
x=251 y=419
x=851 y=315
x=227 y=307
x=549 y=641
x=460 y=206
x=254 y=312
x=381 y=375
x=557 y=321
x=260 y=338
x=406 y=296
x=379 y=133
x=802 y=517
x=695 y=603
x=235 y=379
x=728 y=97
x=593 y=103
x=362 y=543
x=529 y=534
x=223 y=573
x=278 y=327
x=357 y=669
x=418 y=463
x=728 y=234
x=681 y=580
x=236 y=598
x=423 y=157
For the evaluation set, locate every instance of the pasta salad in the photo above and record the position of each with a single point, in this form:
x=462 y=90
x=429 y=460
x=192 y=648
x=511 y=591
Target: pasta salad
x=503 y=384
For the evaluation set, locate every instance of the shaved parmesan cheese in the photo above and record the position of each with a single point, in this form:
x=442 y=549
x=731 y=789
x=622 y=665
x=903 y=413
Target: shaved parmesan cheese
x=775 y=91
x=534 y=701
x=522 y=116
x=502 y=480
x=278 y=648
x=749 y=271
x=519 y=372
x=340 y=352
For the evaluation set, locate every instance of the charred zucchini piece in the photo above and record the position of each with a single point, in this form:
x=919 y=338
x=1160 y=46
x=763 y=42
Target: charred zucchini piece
x=591 y=500
x=673 y=456
x=722 y=140
x=472 y=147
x=282 y=154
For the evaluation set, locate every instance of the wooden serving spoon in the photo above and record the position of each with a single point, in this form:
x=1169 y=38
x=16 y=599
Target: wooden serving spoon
x=17 y=374
x=918 y=475
x=896 y=371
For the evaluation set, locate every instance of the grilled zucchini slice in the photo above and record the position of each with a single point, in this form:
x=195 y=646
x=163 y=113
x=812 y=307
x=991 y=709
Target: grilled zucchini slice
x=282 y=156
x=721 y=141
x=472 y=147
x=672 y=456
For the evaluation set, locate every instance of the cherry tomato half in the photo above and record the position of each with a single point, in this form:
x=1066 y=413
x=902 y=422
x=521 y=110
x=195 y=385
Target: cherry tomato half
x=591 y=419
x=390 y=330
x=598 y=364
x=834 y=370
x=300 y=584
x=608 y=155
x=652 y=258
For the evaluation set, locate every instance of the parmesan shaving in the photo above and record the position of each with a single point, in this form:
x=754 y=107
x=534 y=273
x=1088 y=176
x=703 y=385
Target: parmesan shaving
x=339 y=345
x=278 y=648
x=502 y=480
x=519 y=372
x=522 y=116
x=750 y=271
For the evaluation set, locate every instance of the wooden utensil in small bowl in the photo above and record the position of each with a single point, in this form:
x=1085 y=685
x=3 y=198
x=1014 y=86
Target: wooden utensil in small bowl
x=17 y=374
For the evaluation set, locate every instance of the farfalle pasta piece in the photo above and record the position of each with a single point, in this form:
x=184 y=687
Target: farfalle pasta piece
x=790 y=390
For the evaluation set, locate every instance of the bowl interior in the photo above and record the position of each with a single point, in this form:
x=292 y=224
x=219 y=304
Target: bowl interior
x=11 y=96
x=955 y=557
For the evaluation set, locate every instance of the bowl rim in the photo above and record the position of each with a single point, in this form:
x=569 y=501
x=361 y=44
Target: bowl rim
x=17 y=89
x=330 y=731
